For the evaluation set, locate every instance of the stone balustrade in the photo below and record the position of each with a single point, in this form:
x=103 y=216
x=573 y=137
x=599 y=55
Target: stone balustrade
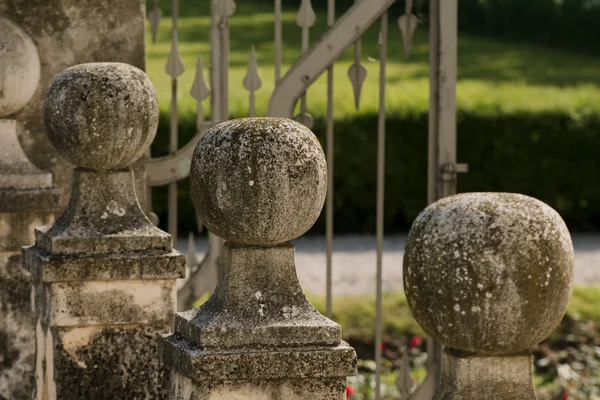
x=488 y=275
x=258 y=183
x=103 y=274
x=28 y=199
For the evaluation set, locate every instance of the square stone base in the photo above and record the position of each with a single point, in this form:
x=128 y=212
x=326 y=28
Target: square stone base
x=183 y=388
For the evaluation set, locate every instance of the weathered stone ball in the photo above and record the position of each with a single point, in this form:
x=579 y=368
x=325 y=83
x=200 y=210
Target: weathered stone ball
x=258 y=181
x=101 y=116
x=19 y=68
x=488 y=273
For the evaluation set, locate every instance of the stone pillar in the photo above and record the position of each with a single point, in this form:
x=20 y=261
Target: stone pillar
x=27 y=199
x=104 y=276
x=488 y=275
x=66 y=33
x=258 y=183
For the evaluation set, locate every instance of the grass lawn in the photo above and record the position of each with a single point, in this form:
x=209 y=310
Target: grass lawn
x=494 y=76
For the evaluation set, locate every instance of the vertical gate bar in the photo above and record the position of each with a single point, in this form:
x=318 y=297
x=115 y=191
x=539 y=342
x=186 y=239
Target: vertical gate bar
x=432 y=164
x=219 y=38
x=442 y=100
x=154 y=16
x=443 y=38
x=199 y=92
x=216 y=68
x=278 y=43
x=448 y=28
x=225 y=64
x=305 y=45
x=380 y=200
x=329 y=150
x=173 y=146
x=305 y=19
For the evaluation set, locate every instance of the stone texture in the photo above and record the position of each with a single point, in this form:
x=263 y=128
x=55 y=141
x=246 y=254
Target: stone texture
x=66 y=33
x=27 y=199
x=104 y=275
x=104 y=216
x=465 y=377
x=182 y=388
x=489 y=274
x=20 y=68
x=121 y=363
x=257 y=182
x=101 y=116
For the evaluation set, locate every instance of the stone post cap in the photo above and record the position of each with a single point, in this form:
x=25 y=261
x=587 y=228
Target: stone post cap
x=101 y=116
x=258 y=181
x=488 y=273
x=19 y=68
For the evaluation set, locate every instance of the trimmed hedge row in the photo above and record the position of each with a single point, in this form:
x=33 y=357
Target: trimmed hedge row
x=551 y=156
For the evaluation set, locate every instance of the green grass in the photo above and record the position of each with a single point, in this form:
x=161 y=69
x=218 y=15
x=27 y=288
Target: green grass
x=494 y=76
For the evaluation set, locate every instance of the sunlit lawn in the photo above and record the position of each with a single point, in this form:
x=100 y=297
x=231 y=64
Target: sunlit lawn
x=494 y=76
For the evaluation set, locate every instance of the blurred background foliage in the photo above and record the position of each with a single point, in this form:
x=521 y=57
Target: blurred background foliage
x=528 y=100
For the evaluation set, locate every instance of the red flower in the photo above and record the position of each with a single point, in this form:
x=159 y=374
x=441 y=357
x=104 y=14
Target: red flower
x=350 y=391
x=415 y=341
x=383 y=346
x=565 y=395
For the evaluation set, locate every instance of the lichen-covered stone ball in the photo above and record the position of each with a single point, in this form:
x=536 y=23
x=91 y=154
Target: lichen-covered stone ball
x=488 y=273
x=19 y=68
x=101 y=116
x=259 y=181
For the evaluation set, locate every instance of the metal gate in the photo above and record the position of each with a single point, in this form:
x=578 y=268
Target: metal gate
x=290 y=87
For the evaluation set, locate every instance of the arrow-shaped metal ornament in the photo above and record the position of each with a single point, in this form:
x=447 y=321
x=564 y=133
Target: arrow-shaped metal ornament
x=224 y=8
x=408 y=24
x=305 y=119
x=191 y=257
x=306 y=16
x=154 y=16
x=200 y=91
x=175 y=66
x=357 y=74
x=252 y=81
x=404 y=382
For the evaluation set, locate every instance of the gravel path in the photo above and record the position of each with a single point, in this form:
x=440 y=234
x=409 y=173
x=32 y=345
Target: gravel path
x=354 y=261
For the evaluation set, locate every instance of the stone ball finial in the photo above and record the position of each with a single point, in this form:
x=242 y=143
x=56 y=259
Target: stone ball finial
x=258 y=181
x=101 y=116
x=19 y=68
x=488 y=273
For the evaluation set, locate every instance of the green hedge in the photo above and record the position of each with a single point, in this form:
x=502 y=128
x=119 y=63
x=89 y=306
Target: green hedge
x=551 y=156
x=567 y=24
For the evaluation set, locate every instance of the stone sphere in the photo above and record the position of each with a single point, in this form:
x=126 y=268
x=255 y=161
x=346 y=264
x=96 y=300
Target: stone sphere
x=19 y=68
x=258 y=181
x=101 y=116
x=488 y=273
